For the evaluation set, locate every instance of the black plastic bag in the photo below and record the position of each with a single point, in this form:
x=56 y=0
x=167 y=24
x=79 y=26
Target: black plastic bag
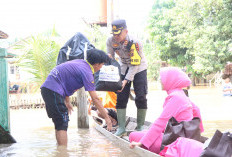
x=74 y=48
x=107 y=81
x=219 y=146
x=188 y=129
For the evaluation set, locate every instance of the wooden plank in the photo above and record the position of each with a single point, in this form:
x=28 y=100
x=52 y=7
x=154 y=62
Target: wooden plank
x=83 y=119
x=124 y=143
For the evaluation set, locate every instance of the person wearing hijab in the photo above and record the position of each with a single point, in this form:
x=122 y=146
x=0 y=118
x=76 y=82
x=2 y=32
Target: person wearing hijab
x=176 y=105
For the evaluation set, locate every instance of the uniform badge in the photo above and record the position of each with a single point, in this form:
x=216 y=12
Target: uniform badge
x=114 y=28
x=125 y=43
x=131 y=53
x=115 y=45
x=137 y=46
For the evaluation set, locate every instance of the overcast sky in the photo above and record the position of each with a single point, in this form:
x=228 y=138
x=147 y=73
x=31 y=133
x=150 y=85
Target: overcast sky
x=20 y=18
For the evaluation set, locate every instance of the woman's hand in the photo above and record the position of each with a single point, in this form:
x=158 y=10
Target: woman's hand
x=133 y=144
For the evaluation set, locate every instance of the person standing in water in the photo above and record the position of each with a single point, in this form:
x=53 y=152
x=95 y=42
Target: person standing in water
x=63 y=81
x=133 y=70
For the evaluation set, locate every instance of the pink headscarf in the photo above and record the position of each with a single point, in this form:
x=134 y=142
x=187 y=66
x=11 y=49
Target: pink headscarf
x=172 y=78
x=176 y=104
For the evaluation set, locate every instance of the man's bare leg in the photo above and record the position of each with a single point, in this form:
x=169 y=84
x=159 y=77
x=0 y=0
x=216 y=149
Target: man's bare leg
x=61 y=137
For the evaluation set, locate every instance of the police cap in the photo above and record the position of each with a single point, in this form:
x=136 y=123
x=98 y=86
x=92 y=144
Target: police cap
x=118 y=26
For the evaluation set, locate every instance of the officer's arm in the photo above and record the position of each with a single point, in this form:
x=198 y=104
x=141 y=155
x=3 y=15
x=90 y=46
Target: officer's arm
x=131 y=72
x=139 y=47
x=109 y=47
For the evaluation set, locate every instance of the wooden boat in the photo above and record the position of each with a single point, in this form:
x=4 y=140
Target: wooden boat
x=123 y=141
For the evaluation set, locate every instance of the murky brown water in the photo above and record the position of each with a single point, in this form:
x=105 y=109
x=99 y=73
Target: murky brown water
x=35 y=136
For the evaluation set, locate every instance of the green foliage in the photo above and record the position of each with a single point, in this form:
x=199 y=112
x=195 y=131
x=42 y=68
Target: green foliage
x=193 y=33
x=97 y=36
x=40 y=54
x=41 y=51
x=152 y=56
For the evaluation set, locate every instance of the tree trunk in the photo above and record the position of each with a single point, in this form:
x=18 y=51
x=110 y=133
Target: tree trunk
x=83 y=119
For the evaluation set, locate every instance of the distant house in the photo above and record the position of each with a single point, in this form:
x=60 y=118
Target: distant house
x=16 y=76
x=3 y=35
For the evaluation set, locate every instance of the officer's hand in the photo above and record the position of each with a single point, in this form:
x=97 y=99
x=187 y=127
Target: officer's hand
x=124 y=82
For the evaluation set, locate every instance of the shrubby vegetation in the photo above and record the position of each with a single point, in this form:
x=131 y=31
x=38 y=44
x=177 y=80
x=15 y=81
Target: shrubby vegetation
x=97 y=36
x=193 y=33
x=40 y=51
x=39 y=54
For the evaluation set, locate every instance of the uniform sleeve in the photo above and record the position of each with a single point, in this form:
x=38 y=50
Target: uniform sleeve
x=159 y=125
x=140 y=47
x=131 y=72
x=110 y=48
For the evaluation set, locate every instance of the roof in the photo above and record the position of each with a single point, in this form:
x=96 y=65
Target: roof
x=3 y=35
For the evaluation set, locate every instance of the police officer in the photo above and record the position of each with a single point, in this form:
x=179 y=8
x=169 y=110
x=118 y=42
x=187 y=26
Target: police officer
x=133 y=70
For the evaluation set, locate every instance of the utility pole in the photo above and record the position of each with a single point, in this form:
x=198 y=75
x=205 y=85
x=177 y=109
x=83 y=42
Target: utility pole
x=110 y=13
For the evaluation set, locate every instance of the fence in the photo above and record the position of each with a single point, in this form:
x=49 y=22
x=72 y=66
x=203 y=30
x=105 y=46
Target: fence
x=217 y=79
x=30 y=101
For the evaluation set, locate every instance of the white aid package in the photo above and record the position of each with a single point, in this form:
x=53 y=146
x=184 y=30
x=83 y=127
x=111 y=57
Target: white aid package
x=109 y=73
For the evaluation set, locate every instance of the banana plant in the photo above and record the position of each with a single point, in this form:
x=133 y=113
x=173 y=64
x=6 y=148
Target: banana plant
x=39 y=55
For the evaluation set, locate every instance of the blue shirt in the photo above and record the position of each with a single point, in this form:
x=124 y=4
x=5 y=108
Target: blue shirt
x=227 y=86
x=67 y=77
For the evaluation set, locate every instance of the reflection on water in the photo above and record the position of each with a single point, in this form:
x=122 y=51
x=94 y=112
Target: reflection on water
x=35 y=134
x=35 y=137
x=215 y=109
x=211 y=126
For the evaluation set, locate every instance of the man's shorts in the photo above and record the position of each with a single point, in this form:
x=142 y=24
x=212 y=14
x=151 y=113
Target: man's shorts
x=56 y=108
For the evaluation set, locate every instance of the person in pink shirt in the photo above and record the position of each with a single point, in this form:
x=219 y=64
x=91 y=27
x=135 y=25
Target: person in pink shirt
x=183 y=147
x=176 y=105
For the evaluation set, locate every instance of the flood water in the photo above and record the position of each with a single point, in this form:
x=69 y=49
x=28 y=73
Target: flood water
x=35 y=136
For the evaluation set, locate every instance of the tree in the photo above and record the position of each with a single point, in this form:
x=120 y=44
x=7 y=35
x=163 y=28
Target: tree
x=153 y=60
x=40 y=54
x=193 y=33
x=97 y=36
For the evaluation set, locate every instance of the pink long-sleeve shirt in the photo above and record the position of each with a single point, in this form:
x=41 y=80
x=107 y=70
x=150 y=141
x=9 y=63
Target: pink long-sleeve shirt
x=176 y=104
